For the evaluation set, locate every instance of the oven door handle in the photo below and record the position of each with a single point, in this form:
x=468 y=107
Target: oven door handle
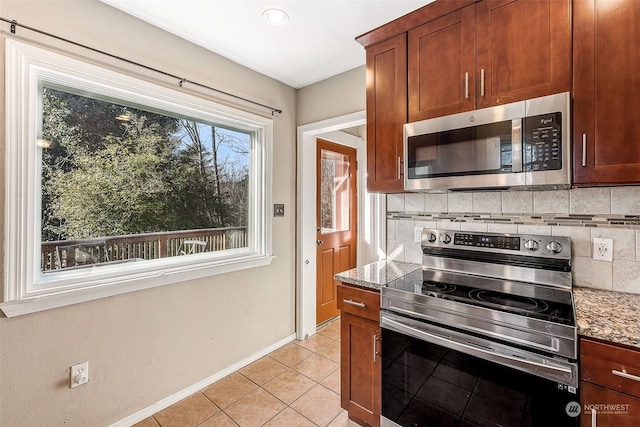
x=479 y=350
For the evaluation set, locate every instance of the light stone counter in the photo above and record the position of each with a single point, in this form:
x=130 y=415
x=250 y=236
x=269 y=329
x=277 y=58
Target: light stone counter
x=607 y=315
x=376 y=274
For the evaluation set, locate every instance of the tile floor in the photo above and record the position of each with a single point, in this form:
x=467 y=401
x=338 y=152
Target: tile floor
x=297 y=385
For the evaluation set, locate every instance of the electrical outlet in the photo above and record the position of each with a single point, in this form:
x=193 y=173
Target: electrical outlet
x=602 y=249
x=79 y=374
x=417 y=234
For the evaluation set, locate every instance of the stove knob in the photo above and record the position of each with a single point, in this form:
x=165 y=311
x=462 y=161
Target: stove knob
x=554 y=247
x=532 y=245
x=445 y=238
x=431 y=238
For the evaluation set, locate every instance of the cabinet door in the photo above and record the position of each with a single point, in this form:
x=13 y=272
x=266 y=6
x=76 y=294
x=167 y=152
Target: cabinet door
x=523 y=49
x=442 y=66
x=386 y=113
x=360 y=369
x=612 y=409
x=606 y=91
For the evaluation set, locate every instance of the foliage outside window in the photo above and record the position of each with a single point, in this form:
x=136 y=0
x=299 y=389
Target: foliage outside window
x=126 y=171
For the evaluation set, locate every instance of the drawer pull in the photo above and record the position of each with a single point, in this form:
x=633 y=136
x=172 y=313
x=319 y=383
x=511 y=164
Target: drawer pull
x=356 y=303
x=624 y=374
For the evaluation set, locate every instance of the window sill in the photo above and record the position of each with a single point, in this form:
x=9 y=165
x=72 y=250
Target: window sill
x=124 y=284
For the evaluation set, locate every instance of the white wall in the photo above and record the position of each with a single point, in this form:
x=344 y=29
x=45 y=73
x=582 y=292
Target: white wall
x=145 y=346
x=337 y=96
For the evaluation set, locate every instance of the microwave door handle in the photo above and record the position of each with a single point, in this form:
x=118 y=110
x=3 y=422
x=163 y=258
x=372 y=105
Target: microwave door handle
x=516 y=145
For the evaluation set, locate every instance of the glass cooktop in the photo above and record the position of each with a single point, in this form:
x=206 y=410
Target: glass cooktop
x=552 y=311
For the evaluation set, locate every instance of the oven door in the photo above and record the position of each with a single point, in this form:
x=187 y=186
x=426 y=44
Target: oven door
x=436 y=377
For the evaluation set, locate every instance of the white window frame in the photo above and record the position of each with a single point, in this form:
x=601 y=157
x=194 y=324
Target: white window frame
x=26 y=288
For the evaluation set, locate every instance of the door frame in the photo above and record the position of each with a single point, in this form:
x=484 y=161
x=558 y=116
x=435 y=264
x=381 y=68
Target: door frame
x=371 y=241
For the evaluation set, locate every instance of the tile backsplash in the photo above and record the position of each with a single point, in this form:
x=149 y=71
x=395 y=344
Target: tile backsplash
x=580 y=214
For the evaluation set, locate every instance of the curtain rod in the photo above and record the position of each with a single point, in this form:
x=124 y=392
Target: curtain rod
x=181 y=80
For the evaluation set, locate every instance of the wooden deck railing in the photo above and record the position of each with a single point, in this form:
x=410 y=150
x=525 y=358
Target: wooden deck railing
x=60 y=254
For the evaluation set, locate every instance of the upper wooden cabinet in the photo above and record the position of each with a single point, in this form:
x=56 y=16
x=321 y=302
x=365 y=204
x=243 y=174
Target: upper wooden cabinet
x=606 y=91
x=458 y=55
x=489 y=53
x=442 y=58
x=386 y=113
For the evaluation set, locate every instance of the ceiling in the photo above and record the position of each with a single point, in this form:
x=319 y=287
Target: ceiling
x=316 y=43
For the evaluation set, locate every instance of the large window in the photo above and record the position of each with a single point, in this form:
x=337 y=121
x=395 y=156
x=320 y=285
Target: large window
x=115 y=184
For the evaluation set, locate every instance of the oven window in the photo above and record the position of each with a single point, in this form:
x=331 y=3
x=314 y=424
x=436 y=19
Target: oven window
x=483 y=149
x=429 y=385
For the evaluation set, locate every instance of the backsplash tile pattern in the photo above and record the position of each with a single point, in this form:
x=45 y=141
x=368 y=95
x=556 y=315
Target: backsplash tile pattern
x=580 y=214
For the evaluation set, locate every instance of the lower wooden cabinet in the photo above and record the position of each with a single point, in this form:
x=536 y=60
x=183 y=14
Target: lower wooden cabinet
x=609 y=385
x=602 y=407
x=360 y=365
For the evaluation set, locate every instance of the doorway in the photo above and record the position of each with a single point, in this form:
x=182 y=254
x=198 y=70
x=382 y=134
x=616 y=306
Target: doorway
x=371 y=234
x=336 y=214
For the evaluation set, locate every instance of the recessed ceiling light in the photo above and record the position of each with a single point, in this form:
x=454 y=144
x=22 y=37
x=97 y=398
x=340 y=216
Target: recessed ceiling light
x=275 y=16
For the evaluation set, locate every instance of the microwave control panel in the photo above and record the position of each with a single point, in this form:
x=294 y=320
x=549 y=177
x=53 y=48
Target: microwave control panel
x=543 y=142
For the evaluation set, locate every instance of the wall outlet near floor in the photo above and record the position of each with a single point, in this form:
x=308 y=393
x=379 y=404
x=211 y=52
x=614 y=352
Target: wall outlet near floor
x=79 y=374
x=602 y=249
x=417 y=234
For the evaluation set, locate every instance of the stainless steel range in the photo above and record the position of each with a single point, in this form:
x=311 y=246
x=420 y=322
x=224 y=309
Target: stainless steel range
x=483 y=334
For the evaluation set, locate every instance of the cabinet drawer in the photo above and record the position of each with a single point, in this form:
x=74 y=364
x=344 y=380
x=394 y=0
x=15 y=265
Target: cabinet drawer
x=360 y=302
x=610 y=366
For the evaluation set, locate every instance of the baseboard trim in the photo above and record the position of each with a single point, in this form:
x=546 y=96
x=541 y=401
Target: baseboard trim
x=186 y=392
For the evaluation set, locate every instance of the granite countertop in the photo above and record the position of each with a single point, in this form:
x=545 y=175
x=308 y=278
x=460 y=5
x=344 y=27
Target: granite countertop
x=376 y=274
x=606 y=315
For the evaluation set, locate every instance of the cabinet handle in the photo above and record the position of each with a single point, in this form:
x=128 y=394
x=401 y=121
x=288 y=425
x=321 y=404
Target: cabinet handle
x=399 y=166
x=466 y=85
x=624 y=374
x=594 y=421
x=375 y=347
x=356 y=303
x=482 y=82
x=584 y=150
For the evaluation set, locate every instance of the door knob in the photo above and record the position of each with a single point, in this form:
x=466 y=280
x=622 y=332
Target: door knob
x=319 y=242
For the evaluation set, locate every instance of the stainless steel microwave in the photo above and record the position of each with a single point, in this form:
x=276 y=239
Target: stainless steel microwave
x=522 y=145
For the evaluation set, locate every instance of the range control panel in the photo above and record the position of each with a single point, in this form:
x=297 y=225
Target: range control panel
x=542 y=142
x=558 y=247
x=487 y=241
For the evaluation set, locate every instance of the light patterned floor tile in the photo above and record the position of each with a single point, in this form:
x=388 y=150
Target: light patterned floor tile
x=229 y=389
x=289 y=418
x=289 y=386
x=332 y=382
x=147 y=422
x=319 y=404
x=219 y=420
x=263 y=370
x=254 y=409
x=331 y=330
x=188 y=412
x=314 y=342
x=291 y=354
x=316 y=367
x=342 y=420
x=331 y=351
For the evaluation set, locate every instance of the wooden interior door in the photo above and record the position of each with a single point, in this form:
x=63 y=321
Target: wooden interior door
x=336 y=213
